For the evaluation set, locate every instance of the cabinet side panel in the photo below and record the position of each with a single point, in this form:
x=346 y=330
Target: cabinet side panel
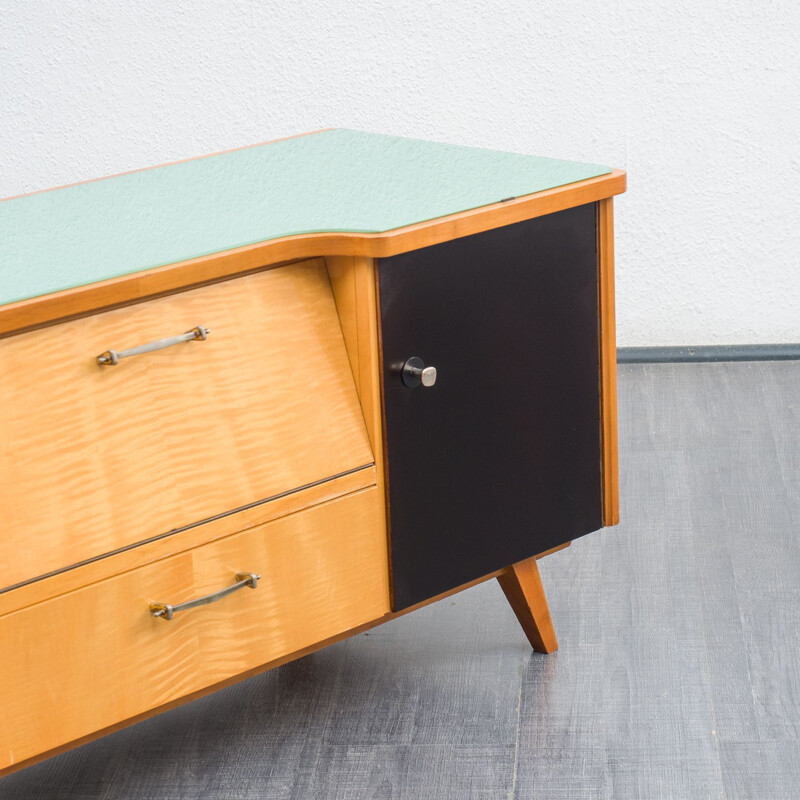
x=501 y=458
x=608 y=361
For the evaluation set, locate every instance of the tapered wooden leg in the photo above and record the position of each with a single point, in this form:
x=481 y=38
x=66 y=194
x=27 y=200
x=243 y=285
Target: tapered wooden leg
x=524 y=591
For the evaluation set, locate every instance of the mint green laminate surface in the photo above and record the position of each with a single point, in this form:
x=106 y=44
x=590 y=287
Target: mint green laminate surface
x=338 y=180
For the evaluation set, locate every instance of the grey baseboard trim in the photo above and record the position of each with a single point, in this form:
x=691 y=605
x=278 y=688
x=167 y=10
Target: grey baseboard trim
x=718 y=352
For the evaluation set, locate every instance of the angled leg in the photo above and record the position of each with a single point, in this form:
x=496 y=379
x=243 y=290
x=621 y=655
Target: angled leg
x=524 y=591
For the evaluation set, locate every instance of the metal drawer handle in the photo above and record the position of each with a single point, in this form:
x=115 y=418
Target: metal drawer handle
x=166 y=611
x=112 y=357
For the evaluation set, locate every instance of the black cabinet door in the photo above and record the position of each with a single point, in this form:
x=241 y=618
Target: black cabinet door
x=500 y=459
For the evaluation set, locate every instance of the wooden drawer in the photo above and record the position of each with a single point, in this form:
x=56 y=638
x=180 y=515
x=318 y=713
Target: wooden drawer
x=94 y=459
x=94 y=657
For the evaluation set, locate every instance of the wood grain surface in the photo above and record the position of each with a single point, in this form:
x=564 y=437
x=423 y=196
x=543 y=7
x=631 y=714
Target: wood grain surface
x=95 y=458
x=277 y=662
x=96 y=656
x=353 y=284
x=355 y=287
x=522 y=586
x=608 y=361
x=173 y=542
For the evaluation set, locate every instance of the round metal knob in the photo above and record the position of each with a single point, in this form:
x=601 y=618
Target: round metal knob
x=415 y=373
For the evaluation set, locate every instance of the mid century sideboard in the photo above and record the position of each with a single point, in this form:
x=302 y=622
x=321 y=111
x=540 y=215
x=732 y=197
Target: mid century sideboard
x=256 y=402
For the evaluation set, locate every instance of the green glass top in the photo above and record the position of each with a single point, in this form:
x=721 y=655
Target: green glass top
x=337 y=180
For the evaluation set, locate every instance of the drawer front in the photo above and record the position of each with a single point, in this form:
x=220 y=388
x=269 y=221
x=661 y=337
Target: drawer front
x=97 y=458
x=500 y=459
x=86 y=660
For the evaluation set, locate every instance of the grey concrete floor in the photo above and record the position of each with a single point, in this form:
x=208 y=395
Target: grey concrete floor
x=678 y=674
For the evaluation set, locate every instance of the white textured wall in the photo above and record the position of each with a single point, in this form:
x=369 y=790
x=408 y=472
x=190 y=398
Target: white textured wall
x=699 y=101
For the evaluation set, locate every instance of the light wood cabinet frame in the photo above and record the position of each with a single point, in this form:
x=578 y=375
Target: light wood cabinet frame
x=350 y=261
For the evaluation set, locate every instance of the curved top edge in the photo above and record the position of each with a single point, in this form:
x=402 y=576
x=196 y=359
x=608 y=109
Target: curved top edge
x=89 y=298
x=334 y=181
